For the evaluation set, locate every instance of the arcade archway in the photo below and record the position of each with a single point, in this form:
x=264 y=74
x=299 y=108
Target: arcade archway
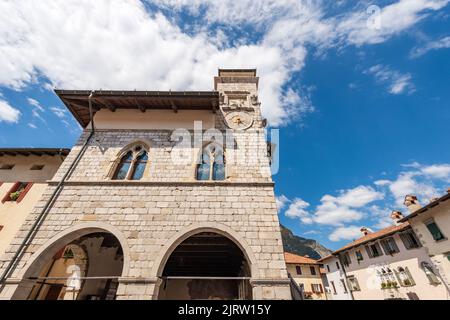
x=206 y=265
x=84 y=268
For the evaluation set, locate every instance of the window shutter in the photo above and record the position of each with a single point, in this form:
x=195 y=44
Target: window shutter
x=411 y=279
x=312 y=288
x=406 y=241
x=7 y=195
x=25 y=191
x=379 y=249
x=321 y=288
x=369 y=252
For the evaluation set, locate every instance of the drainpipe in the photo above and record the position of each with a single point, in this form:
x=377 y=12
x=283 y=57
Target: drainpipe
x=41 y=217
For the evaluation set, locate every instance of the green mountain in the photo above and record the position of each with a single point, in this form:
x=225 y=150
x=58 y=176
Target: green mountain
x=301 y=246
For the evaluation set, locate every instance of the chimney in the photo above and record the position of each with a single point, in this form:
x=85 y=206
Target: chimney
x=365 y=231
x=396 y=216
x=411 y=203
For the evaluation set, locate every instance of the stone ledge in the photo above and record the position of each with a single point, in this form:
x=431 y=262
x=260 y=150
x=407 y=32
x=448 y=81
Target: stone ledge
x=162 y=183
x=270 y=282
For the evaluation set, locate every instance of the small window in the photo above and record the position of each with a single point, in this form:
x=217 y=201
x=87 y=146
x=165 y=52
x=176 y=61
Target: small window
x=359 y=256
x=429 y=272
x=337 y=265
x=334 y=287
x=346 y=259
x=328 y=268
x=298 y=269
x=37 y=167
x=374 y=250
x=434 y=230
x=17 y=192
x=409 y=240
x=316 y=288
x=6 y=166
x=313 y=270
x=1 y=227
x=389 y=246
x=353 y=283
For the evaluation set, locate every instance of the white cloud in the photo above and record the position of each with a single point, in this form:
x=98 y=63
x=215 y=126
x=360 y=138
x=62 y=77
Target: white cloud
x=59 y=112
x=297 y=209
x=8 y=113
x=441 y=171
x=397 y=82
x=377 y=25
x=442 y=43
x=36 y=104
x=281 y=202
x=31 y=125
x=121 y=46
x=345 y=233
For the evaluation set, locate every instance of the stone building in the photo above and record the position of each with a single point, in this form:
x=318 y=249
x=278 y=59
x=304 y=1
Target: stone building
x=166 y=195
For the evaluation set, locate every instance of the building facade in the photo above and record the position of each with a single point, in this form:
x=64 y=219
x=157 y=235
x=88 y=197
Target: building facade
x=389 y=264
x=431 y=223
x=336 y=285
x=23 y=178
x=307 y=274
x=153 y=202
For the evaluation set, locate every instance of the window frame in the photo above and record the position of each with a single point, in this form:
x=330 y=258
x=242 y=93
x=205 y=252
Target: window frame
x=353 y=284
x=408 y=237
x=430 y=222
x=212 y=155
x=133 y=163
x=389 y=245
x=297 y=269
x=312 y=270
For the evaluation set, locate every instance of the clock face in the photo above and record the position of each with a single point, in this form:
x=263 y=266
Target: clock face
x=239 y=120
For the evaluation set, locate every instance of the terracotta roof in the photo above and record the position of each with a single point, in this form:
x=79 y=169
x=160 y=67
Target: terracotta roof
x=295 y=259
x=428 y=206
x=325 y=258
x=374 y=235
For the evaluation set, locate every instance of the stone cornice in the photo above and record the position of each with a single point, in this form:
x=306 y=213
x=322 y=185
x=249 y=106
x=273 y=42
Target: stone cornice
x=161 y=183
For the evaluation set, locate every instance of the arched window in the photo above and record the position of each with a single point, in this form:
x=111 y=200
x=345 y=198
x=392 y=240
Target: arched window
x=212 y=163
x=132 y=164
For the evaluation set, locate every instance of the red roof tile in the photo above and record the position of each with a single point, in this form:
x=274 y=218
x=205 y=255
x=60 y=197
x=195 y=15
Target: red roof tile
x=295 y=259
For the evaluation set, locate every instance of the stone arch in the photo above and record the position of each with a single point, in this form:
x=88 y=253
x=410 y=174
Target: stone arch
x=180 y=236
x=46 y=251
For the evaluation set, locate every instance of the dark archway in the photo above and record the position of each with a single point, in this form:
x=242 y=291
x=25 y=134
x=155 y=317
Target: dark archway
x=86 y=268
x=206 y=265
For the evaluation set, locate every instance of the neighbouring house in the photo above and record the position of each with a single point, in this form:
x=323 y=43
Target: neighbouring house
x=336 y=285
x=307 y=274
x=387 y=264
x=431 y=223
x=23 y=178
x=169 y=196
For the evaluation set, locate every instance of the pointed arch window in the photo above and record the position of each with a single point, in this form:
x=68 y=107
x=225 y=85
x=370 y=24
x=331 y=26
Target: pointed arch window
x=212 y=163
x=132 y=164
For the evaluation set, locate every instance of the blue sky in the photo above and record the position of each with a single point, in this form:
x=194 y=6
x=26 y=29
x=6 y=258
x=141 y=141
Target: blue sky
x=360 y=92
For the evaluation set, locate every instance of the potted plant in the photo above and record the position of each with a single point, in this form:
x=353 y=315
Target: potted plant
x=383 y=285
x=407 y=282
x=15 y=195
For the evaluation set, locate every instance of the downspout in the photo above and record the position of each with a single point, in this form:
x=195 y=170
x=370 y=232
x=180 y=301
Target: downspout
x=338 y=256
x=41 y=217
